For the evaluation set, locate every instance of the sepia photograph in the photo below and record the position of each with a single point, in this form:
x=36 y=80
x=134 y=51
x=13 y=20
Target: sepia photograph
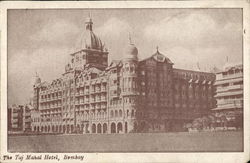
x=124 y=80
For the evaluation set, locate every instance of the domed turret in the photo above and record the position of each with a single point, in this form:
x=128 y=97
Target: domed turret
x=131 y=52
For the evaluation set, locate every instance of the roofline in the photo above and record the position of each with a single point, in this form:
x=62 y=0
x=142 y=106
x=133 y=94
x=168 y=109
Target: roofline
x=178 y=69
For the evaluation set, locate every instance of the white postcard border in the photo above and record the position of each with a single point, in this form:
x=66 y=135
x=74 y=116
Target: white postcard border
x=133 y=157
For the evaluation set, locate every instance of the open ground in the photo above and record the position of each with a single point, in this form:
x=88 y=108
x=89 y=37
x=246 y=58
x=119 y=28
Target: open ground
x=228 y=141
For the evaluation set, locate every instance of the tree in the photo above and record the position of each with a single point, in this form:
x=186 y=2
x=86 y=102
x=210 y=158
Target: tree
x=197 y=123
x=205 y=122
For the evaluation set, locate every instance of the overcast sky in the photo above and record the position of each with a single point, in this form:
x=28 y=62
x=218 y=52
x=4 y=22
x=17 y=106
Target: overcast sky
x=41 y=40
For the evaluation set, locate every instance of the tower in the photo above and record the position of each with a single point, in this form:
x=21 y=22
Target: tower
x=90 y=50
x=36 y=89
x=129 y=86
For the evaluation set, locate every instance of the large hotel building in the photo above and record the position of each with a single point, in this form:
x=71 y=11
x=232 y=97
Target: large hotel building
x=127 y=95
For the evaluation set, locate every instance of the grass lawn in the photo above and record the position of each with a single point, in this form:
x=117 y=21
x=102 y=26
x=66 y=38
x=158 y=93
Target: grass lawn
x=228 y=141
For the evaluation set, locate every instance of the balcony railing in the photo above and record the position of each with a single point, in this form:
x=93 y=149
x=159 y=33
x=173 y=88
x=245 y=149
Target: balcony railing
x=220 y=89
x=229 y=76
x=104 y=99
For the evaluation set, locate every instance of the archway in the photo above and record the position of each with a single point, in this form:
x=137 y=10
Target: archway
x=34 y=129
x=53 y=128
x=113 y=128
x=67 y=130
x=119 y=127
x=133 y=113
x=82 y=128
x=42 y=128
x=99 y=128
x=71 y=129
x=64 y=129
x=60 y=128
x=78 y=128
x=56 y=128
x=93 y=128
x=120 y=113
x=87 y=128
x=135 y=127
x=142 y=126
x=38 y=129
x=46 y=129
x=126 y=127
x=111 y=113
x=105 y=128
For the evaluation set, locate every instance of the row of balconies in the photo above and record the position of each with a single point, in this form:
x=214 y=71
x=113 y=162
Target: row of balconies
x=51 y=99
x=15 y=111
x=80 y=102
x=49 y=110
x=84 y=105
x=95 y=116
x=82 y=93
x=69 y=116
x=15 y=114
x=14 y=120
x=27 y=120
x=27 y=114
x=51 y=113
x=91 y=107
x=231 y=105
x=198 y=96
x=230 y=101
x=190 y=105
x=87 y=92
x=51 y=91
x=51 y=106
x=227 y=88
x=97 y=90
x=116 y=106
x=81 y=85
x=92 y=100
x=234 y=75
x=97 y=106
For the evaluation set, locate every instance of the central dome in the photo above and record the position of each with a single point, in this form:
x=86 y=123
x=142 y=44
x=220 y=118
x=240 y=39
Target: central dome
x=92 y=41
x=88 y=39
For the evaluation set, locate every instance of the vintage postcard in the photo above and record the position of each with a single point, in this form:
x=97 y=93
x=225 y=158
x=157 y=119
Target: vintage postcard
x=125 y=81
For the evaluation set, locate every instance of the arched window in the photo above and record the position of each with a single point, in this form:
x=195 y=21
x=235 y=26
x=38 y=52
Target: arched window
x=116 y=113
x=111 y=114
x=132 y=68
x=120 y=113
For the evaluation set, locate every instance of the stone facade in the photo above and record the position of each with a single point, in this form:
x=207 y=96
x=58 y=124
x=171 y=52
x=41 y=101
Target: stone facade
x=128 y=95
